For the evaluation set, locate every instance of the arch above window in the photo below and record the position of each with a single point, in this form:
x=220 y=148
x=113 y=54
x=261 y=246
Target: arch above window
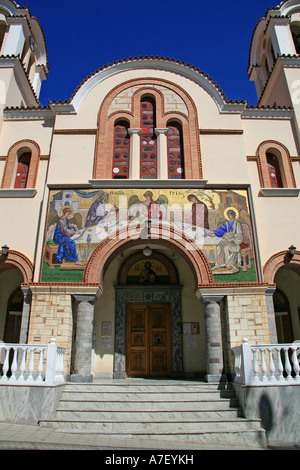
x=273 y=158
x=129 y=107
x=23 y=157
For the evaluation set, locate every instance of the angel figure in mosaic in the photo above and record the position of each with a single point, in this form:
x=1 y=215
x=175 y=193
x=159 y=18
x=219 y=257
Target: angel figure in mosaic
x=148 y=208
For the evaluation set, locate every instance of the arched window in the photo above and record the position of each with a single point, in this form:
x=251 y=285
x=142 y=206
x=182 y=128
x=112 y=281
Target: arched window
x=14 y=317
x=274 y=166
x=175 y=151
x=148 y=148
x=274 y=171
x=295 y=29
x=22 y=170
x=121 y=151
x=21 y=165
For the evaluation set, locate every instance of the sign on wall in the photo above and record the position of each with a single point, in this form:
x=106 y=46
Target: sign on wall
x=218 y=222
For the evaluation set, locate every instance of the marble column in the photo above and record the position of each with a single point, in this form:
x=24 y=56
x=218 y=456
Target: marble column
x=84 y=338
x=25 y=315
x=134 y=162
x=162 y=153
x=214 y=346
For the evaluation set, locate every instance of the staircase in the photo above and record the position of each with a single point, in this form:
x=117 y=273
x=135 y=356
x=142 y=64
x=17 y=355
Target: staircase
x=182 y=411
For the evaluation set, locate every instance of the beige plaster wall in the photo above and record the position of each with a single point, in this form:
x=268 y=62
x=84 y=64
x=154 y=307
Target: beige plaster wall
x=20 y=217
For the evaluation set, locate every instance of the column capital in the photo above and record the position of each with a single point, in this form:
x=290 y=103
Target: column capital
x=26 y=291
x=161 y=131
x=91 y=299
x=208 y=299
x=208 y=296
x=132 y=131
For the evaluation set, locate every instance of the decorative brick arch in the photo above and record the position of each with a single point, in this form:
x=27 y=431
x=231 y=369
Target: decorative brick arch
x=34 y=149
x=277 y=261
x=127 y=237
x=284 y=160
x=19 y=260
x=190 y=126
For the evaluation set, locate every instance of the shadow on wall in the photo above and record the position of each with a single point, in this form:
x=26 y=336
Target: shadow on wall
x=266 y=413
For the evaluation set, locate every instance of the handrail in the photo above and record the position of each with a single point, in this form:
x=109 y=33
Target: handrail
x=267 y=364
x=24 y=364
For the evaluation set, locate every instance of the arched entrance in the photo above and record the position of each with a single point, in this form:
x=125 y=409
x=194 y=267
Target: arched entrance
x=163 y=288
x=284 y=271
x=15 y=272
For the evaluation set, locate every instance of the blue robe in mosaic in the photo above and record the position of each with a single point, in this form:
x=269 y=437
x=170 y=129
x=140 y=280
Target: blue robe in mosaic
x=66 y=246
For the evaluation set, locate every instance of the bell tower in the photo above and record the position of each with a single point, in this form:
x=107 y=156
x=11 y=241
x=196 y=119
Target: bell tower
x=274 y=60
x=23 y=56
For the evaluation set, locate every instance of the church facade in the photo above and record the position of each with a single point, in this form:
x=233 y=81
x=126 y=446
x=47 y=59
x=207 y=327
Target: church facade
x=148 y=223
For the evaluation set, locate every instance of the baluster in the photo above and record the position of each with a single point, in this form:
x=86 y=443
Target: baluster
x=14 y=366
x=5 y=368
x=279 y=365
x=31 y=366
x=22 y=366
x=263 y=365
x=237 y=365
x=255 y=367
x=287 y=364
x=40 y=366
x=271 y=365
x=295 y=363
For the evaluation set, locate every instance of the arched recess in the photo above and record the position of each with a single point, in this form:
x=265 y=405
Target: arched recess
x=284 y=162
x=176 y=241
x=279 y=260
x=21 y=147
x=107 y=116
x=19 y=260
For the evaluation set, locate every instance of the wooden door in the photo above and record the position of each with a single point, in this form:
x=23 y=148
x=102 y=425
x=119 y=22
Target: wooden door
x=148 y=340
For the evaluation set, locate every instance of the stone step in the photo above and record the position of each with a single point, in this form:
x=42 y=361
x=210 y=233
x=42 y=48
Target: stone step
x=144 y=416
x=159 y=396
x=154 y=427
x=145 y=386
x=144 y=406
x=247 y=439
x=165 y=410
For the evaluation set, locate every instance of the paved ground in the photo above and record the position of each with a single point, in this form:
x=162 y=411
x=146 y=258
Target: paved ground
x=25 y=437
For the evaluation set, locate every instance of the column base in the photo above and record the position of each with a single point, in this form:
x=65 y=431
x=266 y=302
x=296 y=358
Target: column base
x=119 y=375
x=82 y=378
x=215 y=378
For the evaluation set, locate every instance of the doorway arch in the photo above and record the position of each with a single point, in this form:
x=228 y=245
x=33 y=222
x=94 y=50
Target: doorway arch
x=283 y=271
x=109 y=248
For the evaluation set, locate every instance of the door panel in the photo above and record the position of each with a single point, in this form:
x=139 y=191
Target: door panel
x=148 y=341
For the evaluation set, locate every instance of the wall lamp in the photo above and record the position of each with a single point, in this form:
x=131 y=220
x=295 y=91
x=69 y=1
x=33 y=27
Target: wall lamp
x=292 y=250
x=4 y=253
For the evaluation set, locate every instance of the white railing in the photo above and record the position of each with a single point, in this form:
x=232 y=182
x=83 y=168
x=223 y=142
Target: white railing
x=268 y=364
x=25 y=364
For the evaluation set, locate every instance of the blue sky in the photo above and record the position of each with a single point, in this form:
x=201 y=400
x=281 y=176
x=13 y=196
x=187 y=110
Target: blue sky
x=83 y=36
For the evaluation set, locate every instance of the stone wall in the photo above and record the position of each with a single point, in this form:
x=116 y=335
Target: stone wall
x=278 y=409
x=247 y=317
x=51 y=316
